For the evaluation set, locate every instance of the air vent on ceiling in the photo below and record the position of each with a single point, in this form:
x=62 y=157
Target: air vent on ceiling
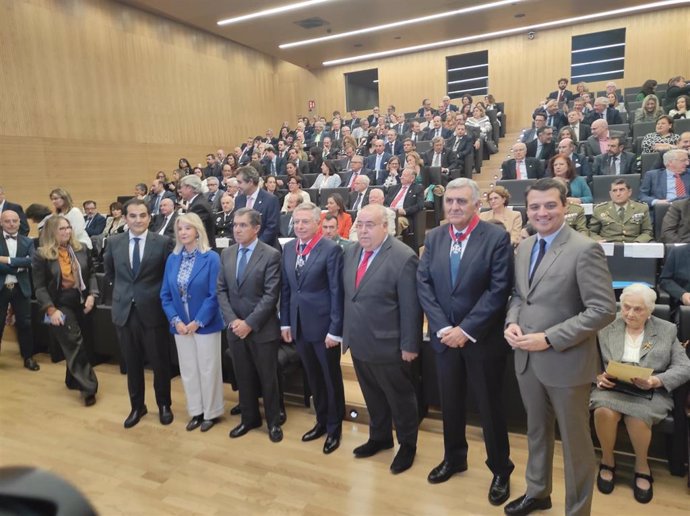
x=312 y=23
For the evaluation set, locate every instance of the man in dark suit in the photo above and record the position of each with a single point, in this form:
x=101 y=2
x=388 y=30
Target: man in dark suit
x=214 y=193
x=426 y=106
x=406 y=199
x=531 y=134
x=260 y=200
x=357 y=166
x=359 y=196
x=272 y=164
x=374 y=117
x=616 y=161
x=16 y=251
x=213 y=168
x=248 y=291
x=416 y=133
x=655 y=183
x=582 y=130
x=562 y=297
x=94 y=222
x=437 y=130
x=377 y=161
x=383 y=323
x=543 y=147
x=464 y=280
x=6 y=205
x=398 y=125
x=353 y=121
x=158 y=193
x=440 y=156
x=562 y=95
x=164 y=222
x=675 y=228
x=521 y=167
x=302 y=166
x=602 y=111
x=190 y=191
x=461 y=145
x=554 y=117
x=311 y=315
x=566 y=148
x=134 y=263
x=393 y=146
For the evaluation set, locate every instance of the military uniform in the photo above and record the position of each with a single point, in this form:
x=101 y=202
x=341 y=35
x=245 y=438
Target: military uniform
x=575 y=218
x=632 y=225
x=342 y=242
x=223 y=225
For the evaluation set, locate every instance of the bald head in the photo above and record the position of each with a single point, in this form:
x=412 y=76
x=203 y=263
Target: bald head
x=684 y=142
x=9 y=220
x=600 y=128
x=566 y=147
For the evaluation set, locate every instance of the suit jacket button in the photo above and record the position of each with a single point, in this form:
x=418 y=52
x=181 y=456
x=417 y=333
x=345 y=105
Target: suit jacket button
x=529 y=303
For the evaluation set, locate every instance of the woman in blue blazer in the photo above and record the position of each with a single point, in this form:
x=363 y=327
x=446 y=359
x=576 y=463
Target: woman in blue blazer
x=190 y=303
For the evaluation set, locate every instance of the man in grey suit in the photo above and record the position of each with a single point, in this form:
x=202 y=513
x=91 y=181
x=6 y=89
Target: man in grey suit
x=562 y=297
x=248 y=291
x=382 y=327
x=616 y=162
x=135 y=262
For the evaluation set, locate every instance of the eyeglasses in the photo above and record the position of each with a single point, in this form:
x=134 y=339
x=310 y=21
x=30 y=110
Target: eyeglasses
x=366 y=225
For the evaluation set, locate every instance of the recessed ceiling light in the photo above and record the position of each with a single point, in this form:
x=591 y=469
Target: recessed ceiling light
x=271 y=11
x=507 y=32
x=401 y=23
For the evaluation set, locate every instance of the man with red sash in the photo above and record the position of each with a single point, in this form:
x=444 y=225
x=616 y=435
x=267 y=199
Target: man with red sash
x=311 y=314
x=463 y=282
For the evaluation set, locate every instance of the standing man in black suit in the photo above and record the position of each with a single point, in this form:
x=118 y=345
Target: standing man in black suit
x=248 y=291
x=464 y=280
x=311 y=315
x=406 y=199
x=266 y=204
x=383 y=323
x=6 y=205
x=134 y=263
x=16 y=251
x=190 y=190
x=543 y=147
x=521 y=167
x=94 y=222
x=461 y=145
x=562 y=95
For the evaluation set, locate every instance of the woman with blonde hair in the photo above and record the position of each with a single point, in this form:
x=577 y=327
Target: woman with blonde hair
x=63 y=204
x=66 y=290
x=650 y=110
x=188 y=295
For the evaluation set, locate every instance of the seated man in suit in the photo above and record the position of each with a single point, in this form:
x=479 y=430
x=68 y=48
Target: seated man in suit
x=440 y=156
x=358 y=197
x=260 y=200
x=531 y=134
x=393 y=146
x=675 y=228
x=301 y=165
x=272 y=164
x=582 y=131
x=376 y=196
x=164 y=222
x=566 y=148
x=328 y=151
x=426 y=106
x=667 y=184
x=319 y=134
x=406 y=199
x=214 y=193
x=554 y=117
x=602 y=111
x=461 y=145
x=437 y=130
x=562 y=95
x=94 y=222
x=598 y=142
x=543 y=147
x=377 y=161
x=621 y=219
x=358 y=169
x=158 y=193
x=521 y=167
x=416 y=133
x=616 y=161
x=287 y=229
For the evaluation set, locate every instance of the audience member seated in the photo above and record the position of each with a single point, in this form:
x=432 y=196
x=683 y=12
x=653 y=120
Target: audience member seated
x=531 y=134
x=648 y=88
x=336 y=207
x=543 y=147
x=214 y=192
x=669 y=183
x=184 y=167
x=615 y=102
x=115 y=223
x=602 y=111
x=676 y=87
x=436 y=129
x=499 y=198
x=94 y=222
x=675 y=228
x=358 y=197
x=328 y=178
x=38 y=214
x=681 y=108
x=271 y=186
x=621 y=219
x=580 y=88
x=650 y=111
x=377 y=161
x=480 y=120
x=675 y=276
x=224 y=219
x=567 y=132
x=520 y=167
x=164 y=222
x=440 y=156
x=663 y=139
x=287 y=229
x=461 y=145
x=272 y=164
x=376 y=196
x=598 y=143
x=426 y=107
x=563 y=167
x=329 y=229
x=636 y=337
x=581 y=130
x=295 y=186
x=616 y=161
x=300 y=165
x=392 y=177
x=63 y=205
x=358 y=169
x=393 y=146
x=566 y=147
x=562 y=95
x=554 y=116
x=406 y=199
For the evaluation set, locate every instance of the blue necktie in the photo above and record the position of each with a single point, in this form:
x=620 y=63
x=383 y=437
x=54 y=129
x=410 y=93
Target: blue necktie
x=455 y=262
x=242 y=265
x=136 y=259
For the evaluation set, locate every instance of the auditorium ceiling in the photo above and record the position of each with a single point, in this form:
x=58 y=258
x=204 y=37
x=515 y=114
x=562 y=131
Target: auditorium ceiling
x=333 y=17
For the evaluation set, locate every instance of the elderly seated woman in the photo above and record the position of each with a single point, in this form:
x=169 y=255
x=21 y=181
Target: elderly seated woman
x=636 y=337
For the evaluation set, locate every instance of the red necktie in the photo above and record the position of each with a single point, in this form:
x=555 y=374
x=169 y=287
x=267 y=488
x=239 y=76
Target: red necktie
x=352 y=181
x=400 y=195
x=680 y=187
x=362 y=269
x=517 y=170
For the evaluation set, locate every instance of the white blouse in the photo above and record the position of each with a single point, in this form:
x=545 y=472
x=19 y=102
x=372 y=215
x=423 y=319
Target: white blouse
x=631 y=352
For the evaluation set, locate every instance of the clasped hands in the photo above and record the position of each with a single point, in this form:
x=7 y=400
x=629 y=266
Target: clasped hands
x=186 y=329
x=454 y=338
x=527 y=342
x=240 y=328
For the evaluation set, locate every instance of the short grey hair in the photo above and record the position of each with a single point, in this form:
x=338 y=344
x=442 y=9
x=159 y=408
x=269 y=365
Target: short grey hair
x=674 y=154
x=192 y=181
x=254 y=216
x=381 y=209
x=309 y=206
x=463 y=182
x=639 y=289
x=364 y=178
x=437 y=139
x=602 y=100
x=212 y=179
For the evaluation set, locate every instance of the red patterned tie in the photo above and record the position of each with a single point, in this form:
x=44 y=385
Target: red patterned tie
x=680 y=187
x=362 y=269
x=400 y=195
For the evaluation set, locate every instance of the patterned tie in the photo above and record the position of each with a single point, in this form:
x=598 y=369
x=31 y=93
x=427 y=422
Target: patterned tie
x=352 y=180
x=299 y=266
x=455 y=261
x=540 y=257
x=362 y=269
x=680 y=187
x=136 y=258
x=242 y=264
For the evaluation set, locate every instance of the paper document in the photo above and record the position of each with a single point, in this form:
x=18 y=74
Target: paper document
x=626 y=372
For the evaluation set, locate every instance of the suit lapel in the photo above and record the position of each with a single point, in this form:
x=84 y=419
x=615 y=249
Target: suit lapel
x=375 y=263
x=648 y=339
x=199 y=264
x=313 y=256
x=256 y=256
x=550 y=256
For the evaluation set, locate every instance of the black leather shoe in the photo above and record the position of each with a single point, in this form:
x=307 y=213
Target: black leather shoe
x=282 y=418
x=371 y=447
x=194 y=423
x=207 y=424
x=275 y=434
x=525 y=505
x=89 y=400
x=499 y=490
x=135 y=416
x=242 y=429
x=444 y=471
x=314 y=433
x=606 y=486
x=403 y=459
x=31 y=364
x=236 y=410
x=643 y=495
x=332 y=443
x=165 y=415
